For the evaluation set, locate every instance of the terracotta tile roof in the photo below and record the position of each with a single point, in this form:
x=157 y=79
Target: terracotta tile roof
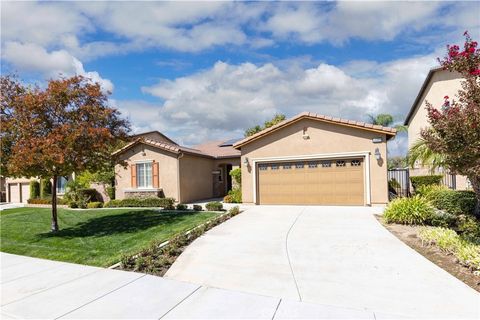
x=209 y=150
x=215 y=149
x=310 y=115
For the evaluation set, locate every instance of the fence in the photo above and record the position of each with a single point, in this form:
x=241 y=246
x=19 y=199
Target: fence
x=399 y=182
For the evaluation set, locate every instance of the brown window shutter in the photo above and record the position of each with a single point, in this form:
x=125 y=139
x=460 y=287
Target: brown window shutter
x=155 y=183
x=133 y=175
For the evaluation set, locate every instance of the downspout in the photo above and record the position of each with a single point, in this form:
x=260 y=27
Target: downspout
x=180 y=156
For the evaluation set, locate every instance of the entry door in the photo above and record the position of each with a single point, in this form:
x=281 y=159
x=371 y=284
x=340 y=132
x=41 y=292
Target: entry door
x=318 y=182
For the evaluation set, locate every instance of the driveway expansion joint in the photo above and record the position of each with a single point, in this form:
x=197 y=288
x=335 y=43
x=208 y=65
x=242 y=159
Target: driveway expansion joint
x=288 y=255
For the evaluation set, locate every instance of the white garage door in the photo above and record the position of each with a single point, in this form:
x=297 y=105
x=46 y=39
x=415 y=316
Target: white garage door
x=25 y=192
x=14 y=192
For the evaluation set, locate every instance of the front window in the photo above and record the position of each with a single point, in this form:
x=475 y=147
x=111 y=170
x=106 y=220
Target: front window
x=144 y=175
x=61 y=184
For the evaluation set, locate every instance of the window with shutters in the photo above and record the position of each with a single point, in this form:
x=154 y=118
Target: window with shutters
x=144 y=175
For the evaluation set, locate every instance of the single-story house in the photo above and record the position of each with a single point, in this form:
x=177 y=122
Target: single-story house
x=157 y=166
x=316 y=159
x=308 y=159
x=438 y=84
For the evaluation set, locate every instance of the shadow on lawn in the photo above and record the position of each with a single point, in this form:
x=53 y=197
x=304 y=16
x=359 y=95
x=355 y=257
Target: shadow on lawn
x=127 y=222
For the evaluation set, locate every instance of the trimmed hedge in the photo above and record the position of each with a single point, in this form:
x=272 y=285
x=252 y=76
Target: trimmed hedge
x=415 y=210
x=418 y=181
x=454 y=201
x=166 y=203
x=94 y=205
x=233 y=196
x=181 y=206
x=197 y=207
x=214 y=206
x=34 y=189
x=45 y=201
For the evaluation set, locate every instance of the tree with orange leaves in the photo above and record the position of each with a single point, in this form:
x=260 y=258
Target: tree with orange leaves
x=52 y=132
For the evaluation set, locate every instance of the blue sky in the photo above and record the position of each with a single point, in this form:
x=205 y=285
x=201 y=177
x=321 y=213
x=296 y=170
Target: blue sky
x=207 y=70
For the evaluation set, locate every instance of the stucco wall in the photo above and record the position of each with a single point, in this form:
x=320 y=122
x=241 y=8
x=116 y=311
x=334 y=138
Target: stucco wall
x=443 y=83
x=195 y=178
x=324 y=138
x=167 y=169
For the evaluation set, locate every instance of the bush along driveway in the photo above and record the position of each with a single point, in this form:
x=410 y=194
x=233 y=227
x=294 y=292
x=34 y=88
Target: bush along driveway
x=158 y=257
x=93 y=237
x=440 y=224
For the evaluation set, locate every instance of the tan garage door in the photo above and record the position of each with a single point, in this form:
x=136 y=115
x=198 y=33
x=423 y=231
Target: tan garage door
x=321 y=182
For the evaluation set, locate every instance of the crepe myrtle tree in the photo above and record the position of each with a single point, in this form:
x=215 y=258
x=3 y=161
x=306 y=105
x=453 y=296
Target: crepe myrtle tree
x=50 y=132
x=455 y=127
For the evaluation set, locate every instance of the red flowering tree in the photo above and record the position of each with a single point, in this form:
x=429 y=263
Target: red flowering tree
x=455 y=127
x=64 y=128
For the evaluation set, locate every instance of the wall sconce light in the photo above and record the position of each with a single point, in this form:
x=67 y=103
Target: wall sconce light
x=378 y=155
x=245 y=161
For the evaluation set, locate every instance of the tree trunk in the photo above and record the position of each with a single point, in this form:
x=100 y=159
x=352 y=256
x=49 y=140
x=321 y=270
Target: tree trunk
x=54 y=205
x=475 y=181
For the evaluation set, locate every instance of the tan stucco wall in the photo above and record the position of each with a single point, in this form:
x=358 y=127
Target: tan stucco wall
x=443 y=83
x=195 y=178
x=324 y=138
x=167 y=169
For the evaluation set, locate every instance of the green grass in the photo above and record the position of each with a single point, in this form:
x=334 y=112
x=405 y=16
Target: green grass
x=92 y=237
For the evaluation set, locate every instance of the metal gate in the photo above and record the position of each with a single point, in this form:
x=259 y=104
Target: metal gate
x=398 y=183
x=450 y=181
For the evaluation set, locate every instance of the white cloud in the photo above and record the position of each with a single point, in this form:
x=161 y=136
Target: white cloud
x=222 y=101
x=34 y=58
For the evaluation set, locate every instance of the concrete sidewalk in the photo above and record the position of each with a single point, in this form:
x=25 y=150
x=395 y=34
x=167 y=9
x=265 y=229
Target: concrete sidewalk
x=43 y=289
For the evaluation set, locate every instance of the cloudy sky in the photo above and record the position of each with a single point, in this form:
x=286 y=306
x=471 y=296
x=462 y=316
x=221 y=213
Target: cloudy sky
x=208 y=70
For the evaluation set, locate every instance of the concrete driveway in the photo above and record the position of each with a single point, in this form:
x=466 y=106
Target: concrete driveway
x=338 y=256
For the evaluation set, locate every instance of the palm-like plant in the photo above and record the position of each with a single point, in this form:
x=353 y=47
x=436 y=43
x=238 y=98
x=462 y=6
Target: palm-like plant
x=420 y=151
x=386 y=120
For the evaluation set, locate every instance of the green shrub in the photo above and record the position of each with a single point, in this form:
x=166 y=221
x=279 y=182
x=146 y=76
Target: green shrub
x=443 y=219
x=110 y=192
x=197 y=207
x=418 y=181
x=90 y=194
x=142 y=202
x=415 y=210
x=429 y=191
x=469 y=227
x=93 y=205
x=468 y=253
x=234 y=211
x=181 y=206
x=214 y=206
x=454 y=201
x=236 y=174
x=45 y=188
x=34 y=189
x=46 y=201
x=233 y=196
x=393 y=184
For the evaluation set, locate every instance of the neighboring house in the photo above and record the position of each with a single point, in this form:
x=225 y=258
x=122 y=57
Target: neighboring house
x=316 y=159
x=18 y=189
x=438 y=84
x=157 y=166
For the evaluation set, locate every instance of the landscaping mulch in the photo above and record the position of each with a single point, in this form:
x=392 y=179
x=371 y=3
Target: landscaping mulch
x=446 y=261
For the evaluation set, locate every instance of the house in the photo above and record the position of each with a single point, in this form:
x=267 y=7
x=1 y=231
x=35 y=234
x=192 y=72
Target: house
x=158 y=166
x=308 y=159
x=316 y=159
x=438 y=84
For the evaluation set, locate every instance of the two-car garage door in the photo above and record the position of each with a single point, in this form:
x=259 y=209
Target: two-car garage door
x=319 y=182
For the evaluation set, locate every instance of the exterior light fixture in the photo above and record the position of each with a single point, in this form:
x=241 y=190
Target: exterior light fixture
x=378 y=155
x=305 y=135
x=245 y=161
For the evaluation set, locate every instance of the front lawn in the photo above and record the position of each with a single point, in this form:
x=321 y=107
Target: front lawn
x=92 y=237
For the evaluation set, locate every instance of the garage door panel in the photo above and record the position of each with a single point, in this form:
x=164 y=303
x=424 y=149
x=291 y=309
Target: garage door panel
x=323 y=182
